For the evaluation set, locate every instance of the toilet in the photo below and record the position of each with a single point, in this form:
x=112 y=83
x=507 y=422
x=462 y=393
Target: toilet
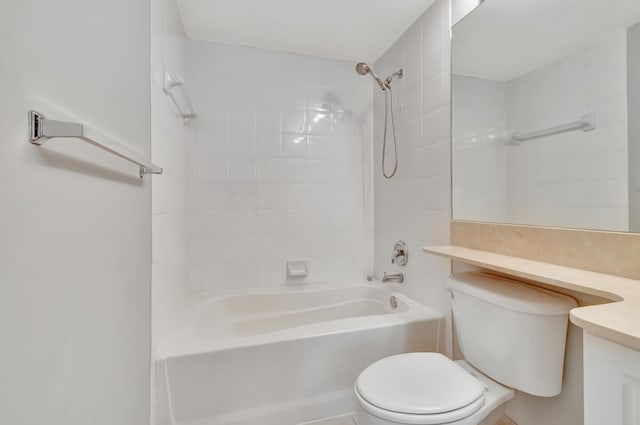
x=512 y=337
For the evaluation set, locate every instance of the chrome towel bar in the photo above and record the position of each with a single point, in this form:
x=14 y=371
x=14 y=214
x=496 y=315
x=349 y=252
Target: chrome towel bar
x=586 y=123
x=42 y=128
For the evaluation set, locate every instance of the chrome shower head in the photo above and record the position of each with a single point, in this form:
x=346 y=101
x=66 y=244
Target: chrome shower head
x=364 y=69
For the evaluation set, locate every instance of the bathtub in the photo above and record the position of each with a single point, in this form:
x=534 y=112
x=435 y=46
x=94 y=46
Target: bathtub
x=283 y=356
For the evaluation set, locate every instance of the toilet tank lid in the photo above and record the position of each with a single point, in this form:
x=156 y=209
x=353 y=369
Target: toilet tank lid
x=511 y=294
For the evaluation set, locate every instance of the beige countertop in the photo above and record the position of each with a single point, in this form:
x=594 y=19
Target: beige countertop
x=617 y=321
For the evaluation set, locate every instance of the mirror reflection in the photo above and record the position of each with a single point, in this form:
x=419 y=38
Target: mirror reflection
x=546 y=114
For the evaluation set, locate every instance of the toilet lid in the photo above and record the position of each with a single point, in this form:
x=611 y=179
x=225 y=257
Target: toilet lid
x=418 y=383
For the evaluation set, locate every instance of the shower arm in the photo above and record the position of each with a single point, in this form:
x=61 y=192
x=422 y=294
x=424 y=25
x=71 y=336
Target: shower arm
x=381 y=84
x=375 y=76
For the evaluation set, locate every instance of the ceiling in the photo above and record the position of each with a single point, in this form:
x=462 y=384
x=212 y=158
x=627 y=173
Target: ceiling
x=354 y=30
x=505 y=39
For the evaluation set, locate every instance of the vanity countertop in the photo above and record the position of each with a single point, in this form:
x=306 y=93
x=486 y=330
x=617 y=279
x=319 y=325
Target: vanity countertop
x=617 y=321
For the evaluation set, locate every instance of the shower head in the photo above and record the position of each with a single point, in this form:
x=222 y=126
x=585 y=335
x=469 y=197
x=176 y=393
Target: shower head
x=364 y=69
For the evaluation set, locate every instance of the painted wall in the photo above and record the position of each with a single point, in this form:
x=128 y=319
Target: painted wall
x=633 y=105
x=280 y=170
x=461 y=8
x=75 y=221
x=415 y=205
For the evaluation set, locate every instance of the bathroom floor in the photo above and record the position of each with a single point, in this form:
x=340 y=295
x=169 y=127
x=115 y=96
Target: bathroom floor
x=336 y=420
x=348 y=420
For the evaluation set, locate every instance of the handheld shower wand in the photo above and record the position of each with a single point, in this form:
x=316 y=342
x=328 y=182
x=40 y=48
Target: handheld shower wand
x=364 y=69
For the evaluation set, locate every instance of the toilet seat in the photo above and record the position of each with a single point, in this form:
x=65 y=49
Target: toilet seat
x=413 y=419
x=419 y=388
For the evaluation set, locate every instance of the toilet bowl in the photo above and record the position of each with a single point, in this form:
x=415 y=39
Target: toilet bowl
x=507 y=331
x=427 y=388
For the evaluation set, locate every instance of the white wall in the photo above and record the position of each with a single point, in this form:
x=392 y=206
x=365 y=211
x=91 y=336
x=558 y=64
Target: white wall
x=281 y=168
x=170 y=138
x=75 y=221
x=415 y=205
x=633 y=104
x=572 y=179
x=461 y=8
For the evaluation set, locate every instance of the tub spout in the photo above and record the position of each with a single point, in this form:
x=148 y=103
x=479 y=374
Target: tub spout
x=398 y=278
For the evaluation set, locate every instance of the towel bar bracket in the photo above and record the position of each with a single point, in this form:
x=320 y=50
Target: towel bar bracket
x=42 y=128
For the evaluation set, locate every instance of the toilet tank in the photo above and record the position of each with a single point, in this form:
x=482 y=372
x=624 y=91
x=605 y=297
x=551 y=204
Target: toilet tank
x=512 y=332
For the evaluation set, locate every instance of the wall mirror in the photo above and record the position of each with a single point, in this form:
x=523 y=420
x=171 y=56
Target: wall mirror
x=546 y=114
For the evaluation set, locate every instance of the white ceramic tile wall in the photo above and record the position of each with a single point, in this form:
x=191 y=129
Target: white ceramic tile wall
x=170 y=138
x=280 y=168
x=169 y=141
x=574 y=179
x=479 y=127
x=415 y=205
x=75 y=229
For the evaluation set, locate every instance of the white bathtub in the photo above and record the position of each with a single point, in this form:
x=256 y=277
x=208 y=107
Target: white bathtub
x=282 y=357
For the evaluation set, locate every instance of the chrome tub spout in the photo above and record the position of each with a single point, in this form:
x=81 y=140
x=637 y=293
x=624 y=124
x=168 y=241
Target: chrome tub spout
x=397 y=278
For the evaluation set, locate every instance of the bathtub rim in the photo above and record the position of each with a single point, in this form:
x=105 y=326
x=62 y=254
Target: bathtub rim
x=177 y=344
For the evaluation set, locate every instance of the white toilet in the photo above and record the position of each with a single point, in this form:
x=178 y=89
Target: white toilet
x=512 y=336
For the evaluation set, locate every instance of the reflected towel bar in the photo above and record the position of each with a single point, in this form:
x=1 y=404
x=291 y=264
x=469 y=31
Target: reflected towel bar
x=41 y=128
x=586 y=123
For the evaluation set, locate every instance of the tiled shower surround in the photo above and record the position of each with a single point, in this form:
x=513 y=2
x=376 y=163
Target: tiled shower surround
x=415 y=205
x=169 y=194
x=576 y=179
x=280 y=169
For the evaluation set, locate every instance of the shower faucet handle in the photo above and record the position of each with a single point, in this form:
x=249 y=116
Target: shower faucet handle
x=400 y=254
